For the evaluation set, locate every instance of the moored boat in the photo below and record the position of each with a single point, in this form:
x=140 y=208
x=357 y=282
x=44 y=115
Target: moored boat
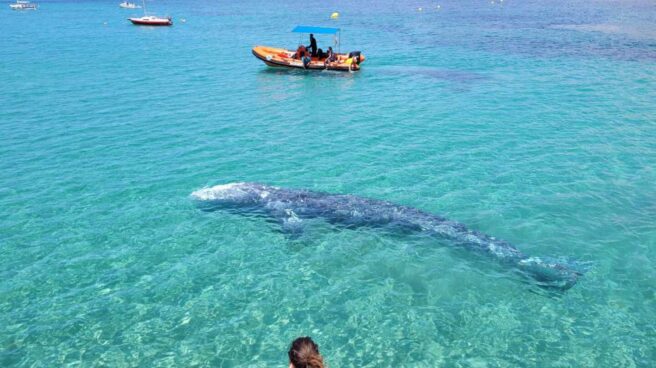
x=129 y=5
x=23 y=5
x=151 y=20
x=301 y=59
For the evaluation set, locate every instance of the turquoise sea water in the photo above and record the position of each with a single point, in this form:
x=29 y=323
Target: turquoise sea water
x=531 y=121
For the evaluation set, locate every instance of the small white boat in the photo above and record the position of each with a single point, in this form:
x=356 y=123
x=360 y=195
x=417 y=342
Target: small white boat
x=128 y=5
x=23 y=5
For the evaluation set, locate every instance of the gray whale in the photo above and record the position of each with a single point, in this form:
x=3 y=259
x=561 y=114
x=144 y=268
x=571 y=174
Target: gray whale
x=290 y=206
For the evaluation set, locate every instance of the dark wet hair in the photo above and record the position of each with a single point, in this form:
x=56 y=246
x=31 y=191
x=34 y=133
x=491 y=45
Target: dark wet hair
x=304 y=353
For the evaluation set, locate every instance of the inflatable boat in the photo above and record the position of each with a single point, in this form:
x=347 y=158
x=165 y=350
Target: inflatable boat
x=277 y=57
x=301 y=58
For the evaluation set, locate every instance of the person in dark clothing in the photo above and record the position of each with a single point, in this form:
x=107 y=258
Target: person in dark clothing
x=330 y=57
x=313 y=45
x=306 y=60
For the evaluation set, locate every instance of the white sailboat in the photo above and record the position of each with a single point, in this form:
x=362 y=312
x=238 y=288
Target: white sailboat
x=151 y=20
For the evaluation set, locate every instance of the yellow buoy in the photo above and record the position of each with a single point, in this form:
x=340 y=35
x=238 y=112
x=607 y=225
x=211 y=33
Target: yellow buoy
x=334 y=15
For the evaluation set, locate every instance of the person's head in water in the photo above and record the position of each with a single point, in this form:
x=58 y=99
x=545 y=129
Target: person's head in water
x=304 y=353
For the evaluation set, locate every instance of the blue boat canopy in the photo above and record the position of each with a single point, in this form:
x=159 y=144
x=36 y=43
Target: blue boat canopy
x=317 y=30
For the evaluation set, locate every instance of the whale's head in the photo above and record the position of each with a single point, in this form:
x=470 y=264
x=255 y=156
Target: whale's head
x=551 y=274
x=232 y=195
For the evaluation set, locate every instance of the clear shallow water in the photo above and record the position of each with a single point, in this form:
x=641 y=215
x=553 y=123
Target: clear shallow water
x=535 y=123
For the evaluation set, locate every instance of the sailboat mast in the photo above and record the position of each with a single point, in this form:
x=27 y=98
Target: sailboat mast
x=144 y=6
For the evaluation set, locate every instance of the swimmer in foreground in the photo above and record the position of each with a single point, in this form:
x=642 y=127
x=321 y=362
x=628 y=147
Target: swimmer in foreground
x=304 y=353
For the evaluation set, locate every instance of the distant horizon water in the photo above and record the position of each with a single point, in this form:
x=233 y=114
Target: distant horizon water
x=531 y=121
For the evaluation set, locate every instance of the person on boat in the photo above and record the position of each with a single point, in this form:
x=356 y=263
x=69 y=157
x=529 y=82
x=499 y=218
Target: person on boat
x=313 y=45
x=330 y=56
x=300 y=52
x=304 y=353
x=306 y=60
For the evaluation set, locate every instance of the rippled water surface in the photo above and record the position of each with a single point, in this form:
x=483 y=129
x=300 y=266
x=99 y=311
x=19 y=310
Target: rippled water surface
x=534 y=122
